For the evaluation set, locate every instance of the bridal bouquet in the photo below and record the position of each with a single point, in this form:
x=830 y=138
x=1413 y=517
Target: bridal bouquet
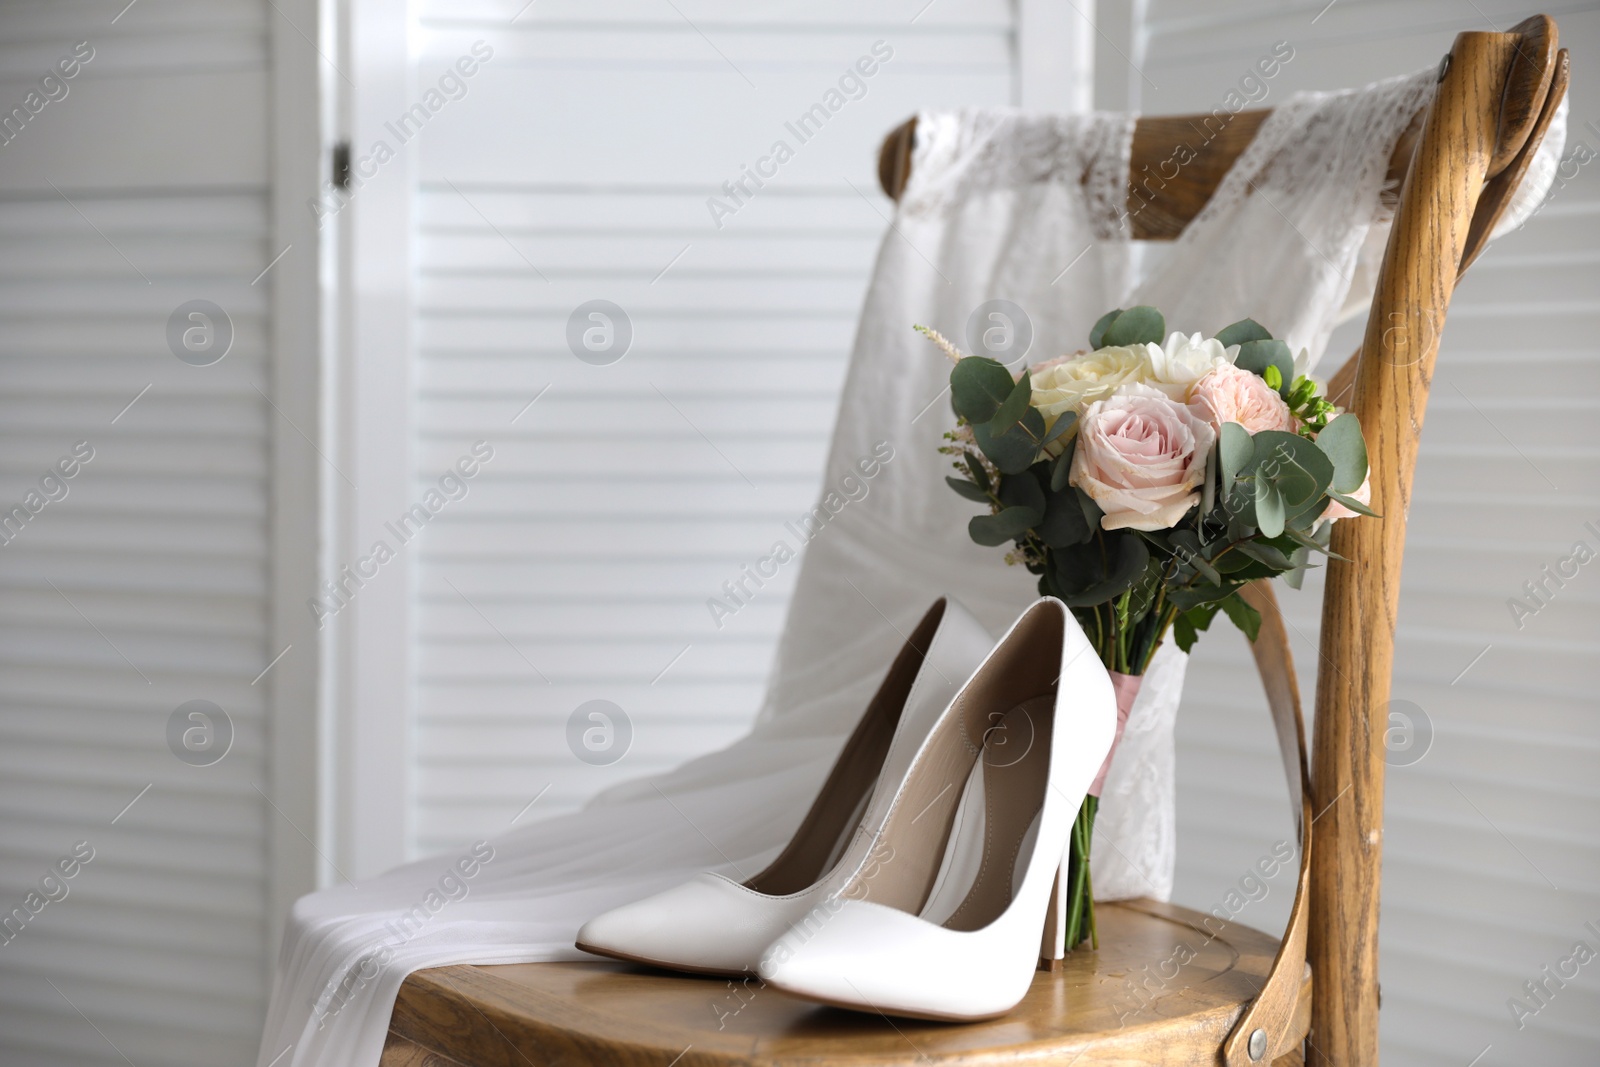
x=1145 y=483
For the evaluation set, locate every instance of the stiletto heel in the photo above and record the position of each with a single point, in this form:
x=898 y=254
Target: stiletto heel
x=1053 y=947
x=714 y=925
x=976 y=896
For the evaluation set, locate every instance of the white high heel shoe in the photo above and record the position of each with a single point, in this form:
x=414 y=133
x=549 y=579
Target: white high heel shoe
x=712 y=924
x=957 y=907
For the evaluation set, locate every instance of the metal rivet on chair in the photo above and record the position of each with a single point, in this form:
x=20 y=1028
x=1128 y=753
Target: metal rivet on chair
x=1258 y=1044
x=1444 y=67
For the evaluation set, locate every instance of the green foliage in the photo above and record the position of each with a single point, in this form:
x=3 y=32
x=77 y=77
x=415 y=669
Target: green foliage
x=1097 y=335
x=1008 y=524
x=1347 y=449
x=976 y=468
x=1296 y=468
x=1013 y=451
x=1243 y=331
x=1137 y=325
x=1313 y=411
x=1065 y=523
x=1257 y=356
x=970 y=490
x=1261 y=501
x=1061 y=470
x=978 y=386
x=1065 y=423
x=1187 y=625
x=1014 y=407
x=1235 y=451
x=1242 y=615
x=1094 y=577
x=1023 y=491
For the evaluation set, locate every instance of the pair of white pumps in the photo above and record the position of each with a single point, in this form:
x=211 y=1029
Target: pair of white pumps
x=924 y=880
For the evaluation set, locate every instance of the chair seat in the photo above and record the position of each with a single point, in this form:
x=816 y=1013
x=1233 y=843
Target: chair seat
x=1160 y=989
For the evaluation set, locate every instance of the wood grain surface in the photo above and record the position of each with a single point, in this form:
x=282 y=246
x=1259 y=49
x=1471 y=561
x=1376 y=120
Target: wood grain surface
x=1163 y=988
x=1362 y=596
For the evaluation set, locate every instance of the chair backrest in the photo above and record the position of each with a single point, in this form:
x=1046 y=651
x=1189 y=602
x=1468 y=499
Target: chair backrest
x=1456 y=167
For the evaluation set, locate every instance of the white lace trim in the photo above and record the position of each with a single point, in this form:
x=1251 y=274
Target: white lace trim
x=1327 y=132
x=959 y=153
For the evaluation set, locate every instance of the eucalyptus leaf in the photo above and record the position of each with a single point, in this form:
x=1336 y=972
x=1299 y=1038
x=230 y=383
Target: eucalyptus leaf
x=1208 y=569
x=1126 y=556
x=1306 y=519
x=1137 y=325
x=1265 y=553
x=1098 y=333
x=975 y=467
x=1235 y=455
x=1243 y=616
x=1024 y=491
x=1015 y=450
x=1354 y=505
x=1185 y=544
x=968 y=489
x=1064 y=524
x=1299 y=470
x=1231 y=563
x=1301 y=561
x=1065 y=423
x=1005 y=525
x=1242 y=332
x=1298 y=486
x=1257 y=356
x=1062 y=469
x=1315 y=542
x=1091 y=511
x=1270 y=510
x=978 y=386
x=1343 y=443
x=1142 y=594
x=1014 y=407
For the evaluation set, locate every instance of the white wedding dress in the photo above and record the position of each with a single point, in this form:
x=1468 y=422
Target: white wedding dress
x=1001 y=205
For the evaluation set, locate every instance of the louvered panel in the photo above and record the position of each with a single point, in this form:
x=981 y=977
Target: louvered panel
x=622 y=499
x=1502 y=810
x=145 y=585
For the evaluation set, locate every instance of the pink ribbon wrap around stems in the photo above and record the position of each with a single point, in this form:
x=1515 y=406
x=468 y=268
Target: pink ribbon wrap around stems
x=1126 y=686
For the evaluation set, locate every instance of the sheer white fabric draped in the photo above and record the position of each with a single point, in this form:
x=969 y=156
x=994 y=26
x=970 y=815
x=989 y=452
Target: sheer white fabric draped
x=1001 y=205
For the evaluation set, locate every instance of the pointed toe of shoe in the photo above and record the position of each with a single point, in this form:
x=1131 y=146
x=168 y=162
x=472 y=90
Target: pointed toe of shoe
x=708 y=924
x=857 y=954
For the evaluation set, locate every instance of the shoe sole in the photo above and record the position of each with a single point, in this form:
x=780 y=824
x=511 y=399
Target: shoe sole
x=662 y=965
x=873 y=1009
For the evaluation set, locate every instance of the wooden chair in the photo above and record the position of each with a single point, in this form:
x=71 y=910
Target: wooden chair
x=1243 y=997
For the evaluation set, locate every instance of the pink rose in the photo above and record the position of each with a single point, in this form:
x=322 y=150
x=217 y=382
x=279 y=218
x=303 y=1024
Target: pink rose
x=1140 y=457
x=1228 y=394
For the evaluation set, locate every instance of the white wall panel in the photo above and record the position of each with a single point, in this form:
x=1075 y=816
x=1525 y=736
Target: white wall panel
x=146 y=585
x=576 y=167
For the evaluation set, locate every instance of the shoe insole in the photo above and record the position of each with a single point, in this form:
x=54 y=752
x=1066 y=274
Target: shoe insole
x=990 y=845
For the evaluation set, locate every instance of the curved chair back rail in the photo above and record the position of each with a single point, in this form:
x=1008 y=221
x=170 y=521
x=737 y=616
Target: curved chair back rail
x=1457 y=166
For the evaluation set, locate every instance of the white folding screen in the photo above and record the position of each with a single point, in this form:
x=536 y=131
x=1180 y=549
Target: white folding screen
x=136 y=840
x=1491 y=858
x=631 y=154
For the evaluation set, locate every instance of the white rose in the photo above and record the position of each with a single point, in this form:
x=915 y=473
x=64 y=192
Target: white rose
x=1182 y=361
x=1071 y=382
x=1141 y=456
